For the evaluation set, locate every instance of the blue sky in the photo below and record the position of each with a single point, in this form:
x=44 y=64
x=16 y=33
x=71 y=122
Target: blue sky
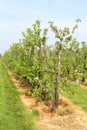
x=17 y=15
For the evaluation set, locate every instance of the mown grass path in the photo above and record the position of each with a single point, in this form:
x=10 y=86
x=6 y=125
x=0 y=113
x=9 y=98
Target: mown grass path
x=13 y=115
x=76 y=94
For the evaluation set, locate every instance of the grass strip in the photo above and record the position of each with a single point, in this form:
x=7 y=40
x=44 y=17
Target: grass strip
x=76 y=94
x=13 y=115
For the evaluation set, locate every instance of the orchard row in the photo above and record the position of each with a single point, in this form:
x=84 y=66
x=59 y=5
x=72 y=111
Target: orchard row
x=47 y=68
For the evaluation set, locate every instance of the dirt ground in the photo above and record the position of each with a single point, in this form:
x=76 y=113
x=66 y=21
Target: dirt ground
x=68 y=117
x=76 y=120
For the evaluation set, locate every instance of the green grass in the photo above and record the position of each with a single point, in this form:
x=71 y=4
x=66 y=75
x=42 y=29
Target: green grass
x=76 y=94
x=13 y=115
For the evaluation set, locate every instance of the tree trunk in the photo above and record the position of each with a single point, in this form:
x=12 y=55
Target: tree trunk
x=45 y=93
x=40 y=60
x=84 y=66
x=85 y=62
x=56 y=101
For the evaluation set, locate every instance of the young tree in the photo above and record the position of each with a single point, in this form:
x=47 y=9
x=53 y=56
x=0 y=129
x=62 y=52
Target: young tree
x=44 y=39
x=63 y=37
